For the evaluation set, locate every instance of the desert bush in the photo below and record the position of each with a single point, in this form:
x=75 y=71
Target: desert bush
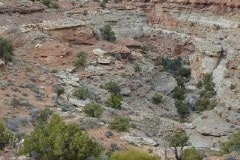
x=114 y=101
x=80 y=60
x=120 y=123
x=60 y=91
x=107 y=33
x=93 y=110
x=182 y=109
x=205 y=103
x=6 y=50
x=172 y=65
x=58 y=140
x=157 y=98
x=5 y=137
x=209 y=85
x=233 y=144
x=184 y=72
x=81 y=93
x=179 y=93
x=191 y=154
x=133 y=154
x=113 y=87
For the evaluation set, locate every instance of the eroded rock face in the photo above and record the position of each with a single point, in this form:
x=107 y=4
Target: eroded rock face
x=211 y=124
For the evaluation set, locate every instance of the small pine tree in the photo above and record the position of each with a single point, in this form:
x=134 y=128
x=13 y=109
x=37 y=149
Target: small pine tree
x=107 y=33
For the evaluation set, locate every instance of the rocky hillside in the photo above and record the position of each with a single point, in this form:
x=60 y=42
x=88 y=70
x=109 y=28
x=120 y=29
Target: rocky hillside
x=150 y=36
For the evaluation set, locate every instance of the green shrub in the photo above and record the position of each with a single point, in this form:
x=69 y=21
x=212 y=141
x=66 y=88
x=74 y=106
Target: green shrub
x=233 y=144
x=172 y=65
x=182 y=109
x=107 y=33
x=43 y=117
x=113 y=87
x=178 y=140
x=205 y=103
x=114 y=101
x=81 y=93
x=60 y=91
x=184 y=72
x=6 y=50
x=81 y=59
x=179 y=93
x=58 y=140
x=93 y=110
x=157 y=98
x=5 y=137
x=209 y=85
x=191 y=154
x=120 y=123
x=180 y=81
x=133 y=154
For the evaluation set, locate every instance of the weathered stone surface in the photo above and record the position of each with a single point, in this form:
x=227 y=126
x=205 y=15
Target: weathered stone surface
x=104 y=60
x=129 y=42
x=163 y=83
x=211 y=124
x=138 y=140
x=78 y=103
x=99 y=52
x=62 y=24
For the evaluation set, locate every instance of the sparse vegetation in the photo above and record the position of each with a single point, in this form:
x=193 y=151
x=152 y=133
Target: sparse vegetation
x=5 y=137
x=120 y=123
x=133 y=154
x=157 y=98
x=179 y=93
x=81 y=59
x=6 y=50
x=58 y=140
x=178 y=140
x=93 y=110
x=60 y=91
x=113 y=87
x=107 y=33
x=233 y=144
x=81 y=93
x=191 y=154
x=182 y=109
x=206 y=101
x=114 y=101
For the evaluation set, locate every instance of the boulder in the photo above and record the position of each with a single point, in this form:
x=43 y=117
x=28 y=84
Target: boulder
x=104 y=60
x=122 y=50
x=99 y=52
x=163 y=82
x=78 y=103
